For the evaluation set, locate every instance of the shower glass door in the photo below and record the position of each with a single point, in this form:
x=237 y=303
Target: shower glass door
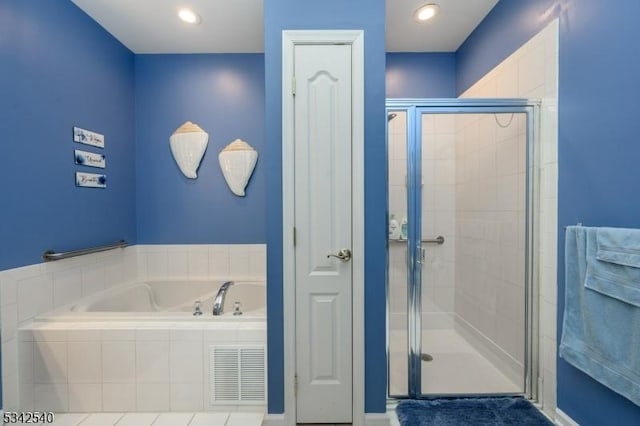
x=460 y=258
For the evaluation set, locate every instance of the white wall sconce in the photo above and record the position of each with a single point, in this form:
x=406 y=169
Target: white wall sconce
x=188 y=144
x=237 y=161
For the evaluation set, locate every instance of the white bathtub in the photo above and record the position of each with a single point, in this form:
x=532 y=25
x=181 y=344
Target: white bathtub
x=142 y=343
x=166 y=300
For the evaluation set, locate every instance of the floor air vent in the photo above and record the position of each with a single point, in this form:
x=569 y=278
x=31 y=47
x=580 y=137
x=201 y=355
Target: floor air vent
x=237 y=374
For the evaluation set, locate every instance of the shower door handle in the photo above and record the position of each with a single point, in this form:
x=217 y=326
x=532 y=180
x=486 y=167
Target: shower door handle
x=344 y=255
x=420 y=261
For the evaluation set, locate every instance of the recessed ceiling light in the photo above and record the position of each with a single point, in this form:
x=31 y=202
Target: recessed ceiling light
x=426 y=12
x=189 y=16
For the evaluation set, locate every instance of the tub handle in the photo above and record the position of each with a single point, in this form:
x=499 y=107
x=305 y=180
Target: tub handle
x=197 y=311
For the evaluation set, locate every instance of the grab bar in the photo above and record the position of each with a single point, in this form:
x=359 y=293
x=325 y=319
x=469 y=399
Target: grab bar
x=51 y=255
x=437 y=240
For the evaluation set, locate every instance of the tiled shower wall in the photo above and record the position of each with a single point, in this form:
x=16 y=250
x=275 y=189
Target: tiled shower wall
x=438 y=205
x=35 y=289
x=532 y=72
x=397 y=140
x=438 y=213
x=490 y=230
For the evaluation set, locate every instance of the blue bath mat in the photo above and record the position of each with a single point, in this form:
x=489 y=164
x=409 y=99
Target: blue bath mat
x=500 y=411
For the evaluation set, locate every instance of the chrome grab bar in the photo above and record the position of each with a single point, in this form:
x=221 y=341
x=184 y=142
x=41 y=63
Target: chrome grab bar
x=51 y=255
x=437 y=240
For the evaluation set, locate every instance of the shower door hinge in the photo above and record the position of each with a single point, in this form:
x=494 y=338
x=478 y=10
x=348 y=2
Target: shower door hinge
x=293 y=86
x=295 y=384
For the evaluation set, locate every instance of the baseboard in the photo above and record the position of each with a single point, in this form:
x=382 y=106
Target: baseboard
x=377 y=419
x=563 y=419
x=273 y=420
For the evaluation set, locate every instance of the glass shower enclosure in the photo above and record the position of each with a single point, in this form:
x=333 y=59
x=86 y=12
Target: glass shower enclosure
x=460 y=292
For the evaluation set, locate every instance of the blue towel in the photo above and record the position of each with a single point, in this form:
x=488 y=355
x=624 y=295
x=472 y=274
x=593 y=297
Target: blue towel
x=616 y=269
x=600 y=333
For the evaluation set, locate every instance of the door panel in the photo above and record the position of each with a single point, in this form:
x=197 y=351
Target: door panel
x=463 y=326
x=322 y=110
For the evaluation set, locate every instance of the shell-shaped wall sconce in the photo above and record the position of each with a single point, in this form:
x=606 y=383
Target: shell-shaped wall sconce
x=188 y=144
x=237 y=161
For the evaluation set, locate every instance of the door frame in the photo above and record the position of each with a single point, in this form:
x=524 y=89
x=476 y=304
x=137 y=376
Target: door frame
x=291 y=38
x=531 y=107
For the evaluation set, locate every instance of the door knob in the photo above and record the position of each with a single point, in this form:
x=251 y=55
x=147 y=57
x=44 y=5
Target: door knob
x=344 y=255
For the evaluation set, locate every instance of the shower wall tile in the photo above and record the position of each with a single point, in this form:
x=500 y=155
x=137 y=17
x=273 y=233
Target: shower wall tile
x=438 y=207
x=397 y=145
x=530 y=72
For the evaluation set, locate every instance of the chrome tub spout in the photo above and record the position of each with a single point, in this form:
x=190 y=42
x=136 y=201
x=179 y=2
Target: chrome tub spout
x=218 y=304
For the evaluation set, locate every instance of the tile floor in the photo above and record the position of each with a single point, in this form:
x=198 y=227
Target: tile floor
x=457 y=368
x=157 y=419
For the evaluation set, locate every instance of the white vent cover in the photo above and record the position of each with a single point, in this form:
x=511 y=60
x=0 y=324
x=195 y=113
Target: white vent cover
x=236 y=374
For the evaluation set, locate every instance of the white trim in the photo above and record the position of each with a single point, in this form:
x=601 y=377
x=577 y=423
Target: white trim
x=377 y=419
x=273 y=420
x=356 y=39
x=563 y=419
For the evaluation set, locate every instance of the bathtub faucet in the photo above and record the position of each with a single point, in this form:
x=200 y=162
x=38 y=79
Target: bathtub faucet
x=218 y=304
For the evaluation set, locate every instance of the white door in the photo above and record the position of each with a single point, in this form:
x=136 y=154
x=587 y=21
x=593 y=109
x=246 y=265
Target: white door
x=323 y=227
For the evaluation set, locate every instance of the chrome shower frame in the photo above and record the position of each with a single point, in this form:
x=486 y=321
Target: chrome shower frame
x=414 y=108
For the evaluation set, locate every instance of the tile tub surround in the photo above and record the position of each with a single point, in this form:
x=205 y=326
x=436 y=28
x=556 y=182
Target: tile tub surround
x=35 y=289
x=125 y=366
x=29 y=291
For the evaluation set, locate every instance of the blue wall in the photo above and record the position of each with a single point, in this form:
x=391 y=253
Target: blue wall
x=509 y=25
x=597 y=160
x=421 y=75
x=223 y=94
x=597 y=146
x=60 y=69
x=367 y=15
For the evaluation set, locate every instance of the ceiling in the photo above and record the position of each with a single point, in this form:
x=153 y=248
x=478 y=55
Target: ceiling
x=151 y=26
